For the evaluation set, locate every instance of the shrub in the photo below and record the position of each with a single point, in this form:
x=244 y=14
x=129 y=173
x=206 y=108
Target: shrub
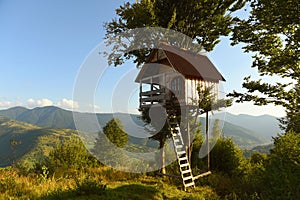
x=70 y=153
x=282 y=175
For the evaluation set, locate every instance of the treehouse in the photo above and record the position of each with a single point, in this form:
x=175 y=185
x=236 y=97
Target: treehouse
x=169 y=79
x=171 y=76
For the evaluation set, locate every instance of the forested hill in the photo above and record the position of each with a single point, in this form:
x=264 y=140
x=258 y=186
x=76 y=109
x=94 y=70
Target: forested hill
x=54 y=117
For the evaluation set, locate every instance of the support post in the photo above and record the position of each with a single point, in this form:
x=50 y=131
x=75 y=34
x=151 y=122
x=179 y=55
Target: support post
x=207 y=142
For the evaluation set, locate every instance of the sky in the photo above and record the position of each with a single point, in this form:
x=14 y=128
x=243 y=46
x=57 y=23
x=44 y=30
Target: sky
x=44 y=45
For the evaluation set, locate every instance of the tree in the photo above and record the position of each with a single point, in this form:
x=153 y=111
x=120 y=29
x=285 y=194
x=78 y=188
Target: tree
x=208 y=102
x=281 y=177
x=226 y=157
x=272 y=33
x=110 y=154
x=160 y=134
x=114 y=131
x=203 y=21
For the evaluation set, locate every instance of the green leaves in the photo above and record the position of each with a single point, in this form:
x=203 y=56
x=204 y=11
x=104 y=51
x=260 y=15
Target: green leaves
x=282 y=172
x=207 y=100
x=203 y=21
x=272 y=33
x=114 y=131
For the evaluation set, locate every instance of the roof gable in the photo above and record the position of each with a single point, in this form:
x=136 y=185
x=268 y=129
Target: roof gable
x=191 y=65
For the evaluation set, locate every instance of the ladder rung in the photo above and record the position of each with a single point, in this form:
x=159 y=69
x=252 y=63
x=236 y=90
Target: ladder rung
x=183 y=158
x=189 y=184
x=181 y=152
x=187 y=178
x=179 y=146
x=184 y=165
x=176 y=140
x=186 y=171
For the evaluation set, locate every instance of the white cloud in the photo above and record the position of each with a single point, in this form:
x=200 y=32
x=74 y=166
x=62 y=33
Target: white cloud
x=6 y=104
x=39 y=103
x=94 y=106
x=69 y=104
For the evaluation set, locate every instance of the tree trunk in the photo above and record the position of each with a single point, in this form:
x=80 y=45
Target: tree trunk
x=162 y=154
x=207 y=142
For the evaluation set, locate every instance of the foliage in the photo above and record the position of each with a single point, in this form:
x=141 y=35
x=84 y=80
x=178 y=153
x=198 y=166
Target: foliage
x=203 y=21
x=196 y=162
x=114 y=131
x=281 y=178
x=69 y=153
x=225 y=157
x=272 y=33
x=208 y=101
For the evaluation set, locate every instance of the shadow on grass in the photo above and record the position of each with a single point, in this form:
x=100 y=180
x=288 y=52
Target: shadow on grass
x=131 y=191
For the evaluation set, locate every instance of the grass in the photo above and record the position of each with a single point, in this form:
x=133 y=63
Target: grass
x=96 y=183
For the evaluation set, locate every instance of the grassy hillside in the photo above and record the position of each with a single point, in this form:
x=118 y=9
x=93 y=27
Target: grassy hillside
x=99 y=183
x=19 y=140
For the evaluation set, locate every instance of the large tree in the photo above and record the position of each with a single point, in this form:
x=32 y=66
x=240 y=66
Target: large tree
x=272 y=34
x=203 y=21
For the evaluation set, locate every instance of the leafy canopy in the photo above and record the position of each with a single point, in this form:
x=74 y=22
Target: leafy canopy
x=272 y=33
x=203 y=21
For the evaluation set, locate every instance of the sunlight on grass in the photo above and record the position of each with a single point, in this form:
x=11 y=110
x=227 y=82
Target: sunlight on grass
x=94 y=183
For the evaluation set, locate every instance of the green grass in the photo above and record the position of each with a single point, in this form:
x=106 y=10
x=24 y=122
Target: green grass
x=97 y=183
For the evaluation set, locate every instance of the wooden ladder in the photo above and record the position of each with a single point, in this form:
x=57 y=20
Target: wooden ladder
x=184 y=165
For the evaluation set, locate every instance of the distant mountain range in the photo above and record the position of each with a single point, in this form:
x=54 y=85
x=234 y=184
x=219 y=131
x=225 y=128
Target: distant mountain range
x=247 y=131
x=266 y=126
x=28 y=132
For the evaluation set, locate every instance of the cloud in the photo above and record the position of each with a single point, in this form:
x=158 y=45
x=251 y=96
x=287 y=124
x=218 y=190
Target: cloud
x=69 y=104
x=94 y=106
x=6 y=104
x=39 y=103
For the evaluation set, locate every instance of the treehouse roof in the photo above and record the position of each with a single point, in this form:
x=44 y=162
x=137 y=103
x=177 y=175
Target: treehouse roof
x=190 y=64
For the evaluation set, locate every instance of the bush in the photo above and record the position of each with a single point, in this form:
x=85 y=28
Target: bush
x=282 y=174
x=69 y=154
x=225 y=157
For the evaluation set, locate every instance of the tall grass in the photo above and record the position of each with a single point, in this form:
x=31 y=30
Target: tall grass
x=94 y=183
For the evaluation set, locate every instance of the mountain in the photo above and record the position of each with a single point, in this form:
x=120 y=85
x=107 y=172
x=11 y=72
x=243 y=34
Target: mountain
x=19 y=140
x=266 y=126
x=54 y=117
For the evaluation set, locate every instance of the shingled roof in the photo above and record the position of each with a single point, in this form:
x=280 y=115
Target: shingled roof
x=191 y=65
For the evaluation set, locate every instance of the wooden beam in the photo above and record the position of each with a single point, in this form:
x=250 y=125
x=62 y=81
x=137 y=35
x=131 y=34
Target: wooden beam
x=202 y=175
x=157 y=98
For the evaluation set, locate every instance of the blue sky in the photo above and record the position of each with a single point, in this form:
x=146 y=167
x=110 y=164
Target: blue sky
x=44 y=43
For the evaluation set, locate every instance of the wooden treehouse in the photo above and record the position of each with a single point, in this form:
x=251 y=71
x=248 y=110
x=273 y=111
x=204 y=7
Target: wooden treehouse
x=169 y=78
